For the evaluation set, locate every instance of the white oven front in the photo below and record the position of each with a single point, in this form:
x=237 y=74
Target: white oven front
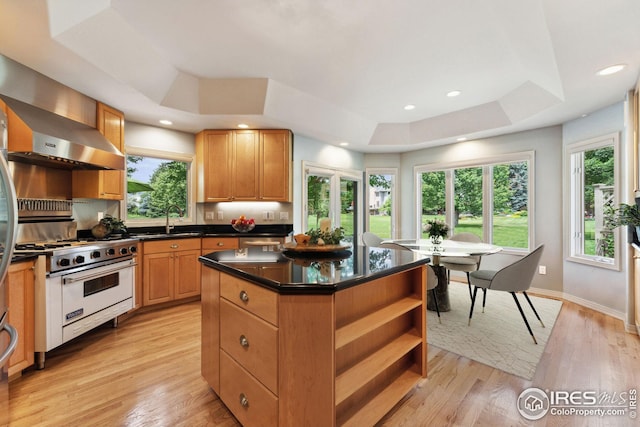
x=78 y=302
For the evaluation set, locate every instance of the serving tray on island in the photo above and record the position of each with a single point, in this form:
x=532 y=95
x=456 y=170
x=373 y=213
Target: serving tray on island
x=309 y=248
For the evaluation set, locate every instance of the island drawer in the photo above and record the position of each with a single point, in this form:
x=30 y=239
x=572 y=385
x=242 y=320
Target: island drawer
x=249 y=401
x=259 y=301
x=251 y=341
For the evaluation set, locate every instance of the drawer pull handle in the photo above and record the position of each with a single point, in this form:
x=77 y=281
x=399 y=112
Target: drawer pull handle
x=244 y=296
x=174 y=246
x=244 y=341
x=220 y=244
x=244 y=402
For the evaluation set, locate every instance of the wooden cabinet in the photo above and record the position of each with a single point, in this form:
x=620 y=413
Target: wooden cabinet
x=275 y=165
x=171 y=270
x=213 y=244
x=316 y=360
x=103 y=184
x=636 y=286
x=244 y=165
x=21 y=281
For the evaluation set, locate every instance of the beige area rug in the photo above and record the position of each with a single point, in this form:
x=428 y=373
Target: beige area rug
x=498 y=337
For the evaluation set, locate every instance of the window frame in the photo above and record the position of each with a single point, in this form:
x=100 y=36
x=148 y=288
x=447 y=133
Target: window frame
x=394 y=196
x=487 y=192
x=575 y=201
x=190 y=159
x=334 y=175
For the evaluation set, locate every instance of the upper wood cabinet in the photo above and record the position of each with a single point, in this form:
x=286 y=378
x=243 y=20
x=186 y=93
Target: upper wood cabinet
x=244 y=165
x=103 y=184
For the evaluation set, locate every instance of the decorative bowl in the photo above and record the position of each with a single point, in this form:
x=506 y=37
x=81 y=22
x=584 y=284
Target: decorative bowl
x=243 y=228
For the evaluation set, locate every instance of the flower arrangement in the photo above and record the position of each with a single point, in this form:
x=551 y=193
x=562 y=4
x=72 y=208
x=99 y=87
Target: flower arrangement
x=326 y=237
x=243 y=224
x=436 y=228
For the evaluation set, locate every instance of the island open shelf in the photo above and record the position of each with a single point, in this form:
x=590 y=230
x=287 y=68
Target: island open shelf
x=343 y=355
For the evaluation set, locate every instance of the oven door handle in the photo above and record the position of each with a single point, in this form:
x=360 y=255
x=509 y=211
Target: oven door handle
x=13 y=342
x=96 y=275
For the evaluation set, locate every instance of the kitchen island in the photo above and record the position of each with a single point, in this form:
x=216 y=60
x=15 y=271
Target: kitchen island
x=313 y=339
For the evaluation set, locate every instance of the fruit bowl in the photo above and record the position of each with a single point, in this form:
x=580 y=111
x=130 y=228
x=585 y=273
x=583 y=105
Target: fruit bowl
x=243 y=228
x=242 y=224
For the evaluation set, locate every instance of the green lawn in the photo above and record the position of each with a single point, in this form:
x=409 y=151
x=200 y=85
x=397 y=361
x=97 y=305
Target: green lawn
x=509 y=231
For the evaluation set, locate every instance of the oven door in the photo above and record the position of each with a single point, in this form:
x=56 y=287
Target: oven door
x=94 y=296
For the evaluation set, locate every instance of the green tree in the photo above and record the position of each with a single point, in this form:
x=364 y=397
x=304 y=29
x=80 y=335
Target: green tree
x=433 y=192
x=132 y=160
x=598 y=169
x=170 y=183
x=468 y=191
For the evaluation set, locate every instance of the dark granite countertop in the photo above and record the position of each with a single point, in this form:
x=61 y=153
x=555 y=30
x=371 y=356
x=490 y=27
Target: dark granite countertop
x=312 y=273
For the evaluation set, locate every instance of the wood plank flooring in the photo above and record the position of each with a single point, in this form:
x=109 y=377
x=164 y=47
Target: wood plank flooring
x=147 y=373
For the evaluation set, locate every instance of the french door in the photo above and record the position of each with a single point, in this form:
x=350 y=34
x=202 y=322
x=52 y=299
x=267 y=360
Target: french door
x=335 y=194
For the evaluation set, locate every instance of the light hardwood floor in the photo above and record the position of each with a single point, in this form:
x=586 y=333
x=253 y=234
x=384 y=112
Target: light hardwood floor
x=147 y=373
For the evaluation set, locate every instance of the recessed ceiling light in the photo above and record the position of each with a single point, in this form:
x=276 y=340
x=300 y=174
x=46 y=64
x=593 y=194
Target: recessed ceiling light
x=344 y=144
x=166 y=122
x=453 y=93
x=409 y=107
x=610 y=70
x=461 y=139
x=243 y=126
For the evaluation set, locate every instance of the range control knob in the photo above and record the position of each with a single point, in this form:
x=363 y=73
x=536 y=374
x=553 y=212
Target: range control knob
x=133 y=249
x=110 y=251
x=79 y=259
x=96 y=254
x=124 y=251
x=64 y=262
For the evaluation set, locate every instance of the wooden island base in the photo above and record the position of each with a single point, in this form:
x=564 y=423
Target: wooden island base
x=338 y=359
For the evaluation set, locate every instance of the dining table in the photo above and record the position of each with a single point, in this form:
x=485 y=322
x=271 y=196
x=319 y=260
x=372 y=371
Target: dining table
x=437 y=251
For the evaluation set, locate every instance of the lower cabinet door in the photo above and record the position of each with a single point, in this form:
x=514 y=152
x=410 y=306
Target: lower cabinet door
x=249 y=401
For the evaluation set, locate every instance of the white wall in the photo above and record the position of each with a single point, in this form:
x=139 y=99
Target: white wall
x=312 y=150
x=598 y=288
x=547 y=145
x=156 y=138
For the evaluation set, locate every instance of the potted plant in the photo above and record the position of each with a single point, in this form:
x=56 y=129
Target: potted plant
x=623 y=214
x=107 y=226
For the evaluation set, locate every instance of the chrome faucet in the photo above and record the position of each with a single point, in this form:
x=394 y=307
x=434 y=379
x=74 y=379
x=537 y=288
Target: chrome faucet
x=169 y=227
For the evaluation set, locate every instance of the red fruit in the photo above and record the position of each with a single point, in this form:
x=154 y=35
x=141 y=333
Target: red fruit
x=233 y=221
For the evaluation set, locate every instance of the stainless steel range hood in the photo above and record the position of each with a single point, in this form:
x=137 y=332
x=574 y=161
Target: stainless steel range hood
x=37 y=136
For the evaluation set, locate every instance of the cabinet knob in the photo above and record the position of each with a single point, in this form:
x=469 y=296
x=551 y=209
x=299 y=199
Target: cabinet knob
x=244 y=402
x=244 y=296
x=244 y=341
x=174 y=246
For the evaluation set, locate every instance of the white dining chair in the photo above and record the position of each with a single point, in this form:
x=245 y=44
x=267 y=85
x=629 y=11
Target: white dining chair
x=466 y=264
x=515 y=277
x=371 y=239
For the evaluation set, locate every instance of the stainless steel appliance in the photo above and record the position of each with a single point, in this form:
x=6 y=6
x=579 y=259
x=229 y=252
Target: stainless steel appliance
x=8 y=225
x=79 y=286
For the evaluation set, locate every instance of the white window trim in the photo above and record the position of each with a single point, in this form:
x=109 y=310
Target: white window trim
x=190 y=219
x=309 y=168
x=395 y=191
x=574 y=201
x=484 y=162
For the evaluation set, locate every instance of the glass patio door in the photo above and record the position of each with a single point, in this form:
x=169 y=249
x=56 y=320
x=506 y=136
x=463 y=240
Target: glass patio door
x=333 y=194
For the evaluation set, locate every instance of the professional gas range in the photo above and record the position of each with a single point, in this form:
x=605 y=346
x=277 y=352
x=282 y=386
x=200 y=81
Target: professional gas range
x=80 y=284
x=64 y=257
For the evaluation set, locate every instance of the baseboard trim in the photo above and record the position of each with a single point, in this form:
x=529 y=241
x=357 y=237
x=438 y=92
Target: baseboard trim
x=588 y=304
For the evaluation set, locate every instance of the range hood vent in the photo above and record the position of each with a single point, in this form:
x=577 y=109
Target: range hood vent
x=37 y=136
